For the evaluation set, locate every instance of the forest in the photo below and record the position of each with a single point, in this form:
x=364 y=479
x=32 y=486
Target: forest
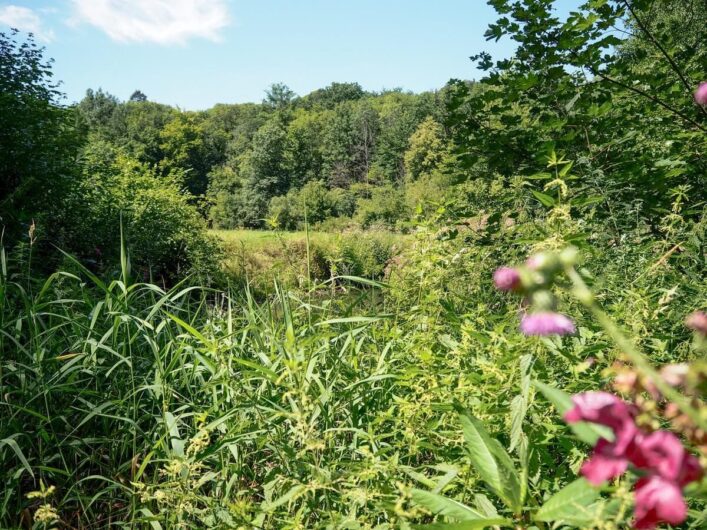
x=481 y=306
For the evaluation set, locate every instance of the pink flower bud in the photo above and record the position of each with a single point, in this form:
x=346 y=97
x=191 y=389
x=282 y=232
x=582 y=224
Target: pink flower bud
x=546 y=323
x=697 y=321
x=674 y=374
x=701 y=94
x=506 y=279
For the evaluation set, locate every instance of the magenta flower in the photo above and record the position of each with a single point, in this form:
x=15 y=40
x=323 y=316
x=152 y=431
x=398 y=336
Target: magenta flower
x=506 y=279
x=697 y=321
x=610 y=459
x=658 y=501
x=663 y=454
x=701 y=94
x=668 y=466
x=546 y=323
x=606 y=463
x=608 y=410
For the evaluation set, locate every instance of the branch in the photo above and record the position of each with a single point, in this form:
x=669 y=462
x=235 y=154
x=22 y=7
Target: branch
x=665 y=53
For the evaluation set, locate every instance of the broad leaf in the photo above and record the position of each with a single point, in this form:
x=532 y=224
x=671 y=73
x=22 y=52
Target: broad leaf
x=492 y=462
x=569 y=502
x=466 y=525
x=544 y=198
x=441 y=505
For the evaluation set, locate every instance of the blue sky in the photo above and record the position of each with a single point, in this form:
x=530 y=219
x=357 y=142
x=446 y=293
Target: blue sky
x=195 y=53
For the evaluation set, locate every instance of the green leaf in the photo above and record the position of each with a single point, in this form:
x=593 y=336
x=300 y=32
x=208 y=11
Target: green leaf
x=441 y=505
x=519 y=404
x=587 y=432
x=492 y=462
x=567 y=503
x=544 y=198
x=466 y=525
x=12 y=444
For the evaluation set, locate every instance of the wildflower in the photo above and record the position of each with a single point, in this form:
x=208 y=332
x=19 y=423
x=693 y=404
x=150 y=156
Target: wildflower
x=43 y=493
x=701 y=94
x=507 y=279
x=675 y=374
x=609 y=459
x=697 y=321
x=546 y=323
x=657 y=501
x=662 y=453
x=46 y=514
x=606 y=463
x=605 y=409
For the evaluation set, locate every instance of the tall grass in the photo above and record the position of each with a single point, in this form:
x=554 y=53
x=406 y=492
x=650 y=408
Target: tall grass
x=171 y=407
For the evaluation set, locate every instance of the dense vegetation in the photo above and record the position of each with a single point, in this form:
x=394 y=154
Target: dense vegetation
x=371 y=374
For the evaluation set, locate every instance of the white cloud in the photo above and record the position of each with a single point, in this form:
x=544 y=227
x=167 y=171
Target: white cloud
x=160 y=21
x=25 y=19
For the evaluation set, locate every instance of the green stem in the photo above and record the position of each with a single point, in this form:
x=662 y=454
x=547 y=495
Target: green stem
x=629 y=349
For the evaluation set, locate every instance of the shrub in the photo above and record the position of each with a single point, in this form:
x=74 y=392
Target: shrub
x=163 y=233
x=385 y=207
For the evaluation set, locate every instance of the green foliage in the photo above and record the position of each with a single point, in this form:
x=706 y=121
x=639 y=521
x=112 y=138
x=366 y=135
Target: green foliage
x=298 y=259
x=186 y=148
x=622 y=108
x=120 y=196
x=385 y=207
x=365 y=379
x=38 y=142
x=427 y=149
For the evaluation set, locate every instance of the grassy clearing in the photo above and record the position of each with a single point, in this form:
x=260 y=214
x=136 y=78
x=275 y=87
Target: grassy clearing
x=258 y=257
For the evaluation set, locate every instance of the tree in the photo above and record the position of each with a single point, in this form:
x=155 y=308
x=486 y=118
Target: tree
x=97 y=111
x=349 y=140
x=265 y=171
x=38 y=142
x=279 y=96
x=187 y=150
x=304 y=156
x=605 y=100
x=330 y=96
x=138 y=95
x=400 y=114
x=138 y=129
x=427 y=149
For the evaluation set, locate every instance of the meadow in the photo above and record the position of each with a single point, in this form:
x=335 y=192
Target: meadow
x=314 y=260
x=482 y=306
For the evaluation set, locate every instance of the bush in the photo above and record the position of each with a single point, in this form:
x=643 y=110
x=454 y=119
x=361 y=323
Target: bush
x=163 y=233
x=385 y=207
x=313 y=202
x=364 y=254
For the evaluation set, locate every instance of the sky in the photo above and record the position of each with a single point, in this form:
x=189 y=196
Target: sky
x=196 y=53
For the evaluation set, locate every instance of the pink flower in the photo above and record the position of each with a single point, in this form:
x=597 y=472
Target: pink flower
x=701 y=94
x=609 y=459
x=608 y=410
x=606 y=463
x=658 y=501
x=669 y=466
x=546 y=323
x=697 y=321
x=674 y=374
x=506 y=279
x=663 y=454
